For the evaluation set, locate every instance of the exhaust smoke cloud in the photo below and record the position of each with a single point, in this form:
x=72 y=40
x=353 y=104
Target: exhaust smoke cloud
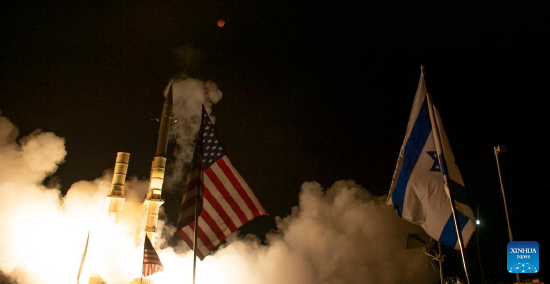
x=338 y=235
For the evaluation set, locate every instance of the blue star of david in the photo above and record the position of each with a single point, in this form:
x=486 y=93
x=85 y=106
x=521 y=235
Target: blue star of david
x=435 y=166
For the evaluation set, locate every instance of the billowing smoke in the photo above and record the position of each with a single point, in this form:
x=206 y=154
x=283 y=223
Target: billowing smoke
x=43 y=234
x=338 y=235
x=189 y=96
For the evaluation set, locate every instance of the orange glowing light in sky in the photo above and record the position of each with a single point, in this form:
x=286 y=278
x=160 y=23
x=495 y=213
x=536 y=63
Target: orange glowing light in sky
x=221 y=23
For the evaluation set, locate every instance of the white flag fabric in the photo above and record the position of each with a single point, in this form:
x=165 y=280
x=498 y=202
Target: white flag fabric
x=417 y=191
x=224 y=199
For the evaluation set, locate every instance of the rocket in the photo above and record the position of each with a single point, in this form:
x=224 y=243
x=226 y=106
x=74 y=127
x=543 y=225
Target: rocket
x=154 y=201
x=165 y=122
x=118 y=194
x=115 y=202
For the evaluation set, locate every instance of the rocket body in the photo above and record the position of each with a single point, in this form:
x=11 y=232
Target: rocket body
x=118 y=193
x=158 y=166
x=165 y=122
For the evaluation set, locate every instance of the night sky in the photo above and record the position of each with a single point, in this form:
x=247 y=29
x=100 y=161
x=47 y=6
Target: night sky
x=311 y=92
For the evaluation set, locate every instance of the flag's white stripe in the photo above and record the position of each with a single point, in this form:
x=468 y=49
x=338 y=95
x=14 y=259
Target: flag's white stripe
x=190 y=234
x=217 y=218
x=189 y=211
x=187 y=208
x=150 y=269
x=232 y=190
x=221 y=200
x=201 y=247
x=247 y=189
x=208 y=232
x=205 y=236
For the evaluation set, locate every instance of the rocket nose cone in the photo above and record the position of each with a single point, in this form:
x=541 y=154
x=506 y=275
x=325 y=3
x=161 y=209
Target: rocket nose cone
x=169 y=96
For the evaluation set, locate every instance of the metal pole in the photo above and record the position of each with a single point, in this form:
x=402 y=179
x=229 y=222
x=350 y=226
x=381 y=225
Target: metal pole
x=195 y=232
x=439 y=149
x=83 y=258
x=497 y=150
x=199 y=189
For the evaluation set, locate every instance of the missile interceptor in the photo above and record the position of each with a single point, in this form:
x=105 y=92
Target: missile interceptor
x=154 y=201
x=118 y=193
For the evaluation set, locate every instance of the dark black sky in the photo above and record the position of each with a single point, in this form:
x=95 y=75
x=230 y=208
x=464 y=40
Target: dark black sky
x=317 y=92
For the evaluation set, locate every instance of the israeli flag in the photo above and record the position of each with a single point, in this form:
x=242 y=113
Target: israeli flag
x=418 y=192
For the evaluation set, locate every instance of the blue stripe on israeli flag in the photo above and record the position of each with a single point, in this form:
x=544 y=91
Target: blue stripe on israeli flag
x=448 y=236
x=413 y=149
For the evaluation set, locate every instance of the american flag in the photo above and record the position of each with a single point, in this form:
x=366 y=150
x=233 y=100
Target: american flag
x=225 y=201
x=151 y=260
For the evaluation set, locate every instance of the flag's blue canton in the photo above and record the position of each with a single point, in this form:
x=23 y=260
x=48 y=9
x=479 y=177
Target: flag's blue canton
x=211 y=149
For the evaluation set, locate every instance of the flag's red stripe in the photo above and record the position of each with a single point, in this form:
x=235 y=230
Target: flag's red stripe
x=199 y=241
x=149 y=269
x=187 y=239
x=238 y=186
x=201 y=236
x=187 y=204
x=186 y=217
x=214 y=203
x=151 y=260
x=151 y=257
x=189 y=200
x=191 y=184
x=225 y=194
x=152 y=269
x=212 y=225
x=185 y=220
x=204 y=238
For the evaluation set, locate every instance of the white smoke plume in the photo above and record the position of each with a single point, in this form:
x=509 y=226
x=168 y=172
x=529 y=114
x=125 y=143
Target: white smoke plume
x=189 y=95
x=339 y=235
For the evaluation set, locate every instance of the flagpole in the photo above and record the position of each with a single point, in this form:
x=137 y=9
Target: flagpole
x=439 y=147
x=143 y=259
x=198 y=194
x=83 y=258
x=196 y=224
x=497 y=150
